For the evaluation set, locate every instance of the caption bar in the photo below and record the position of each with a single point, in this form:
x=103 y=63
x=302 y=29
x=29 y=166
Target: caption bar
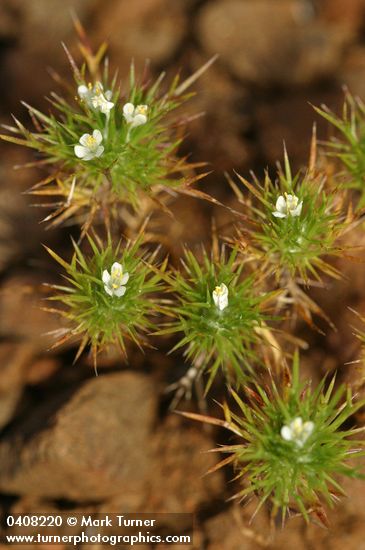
x=109 y=529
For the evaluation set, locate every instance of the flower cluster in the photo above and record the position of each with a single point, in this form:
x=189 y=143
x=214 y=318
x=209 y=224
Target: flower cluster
x=297 y=431
x=288 y=205
x=219 y=325
x=99 y=309
x=111 y=149
x=291 y=241
x=135 y=116
x=96 y=98
x=280 y=459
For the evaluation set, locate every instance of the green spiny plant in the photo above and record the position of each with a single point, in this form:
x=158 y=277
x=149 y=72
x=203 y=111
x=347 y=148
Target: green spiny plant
x=294 y=443
x=347 y=145
x=107 y=147
x=295 y=227
x=219 y=312
x=110 y=296
x=111 y=156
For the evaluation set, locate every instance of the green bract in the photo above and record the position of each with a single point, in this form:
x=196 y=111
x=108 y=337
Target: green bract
x=292 y=477
x=296 y=245
x=215 y=338
x=348 y=145
x=134 y=159
x=97 y=318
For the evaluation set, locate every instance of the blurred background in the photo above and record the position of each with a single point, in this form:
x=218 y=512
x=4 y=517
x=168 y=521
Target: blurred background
x=276 y=58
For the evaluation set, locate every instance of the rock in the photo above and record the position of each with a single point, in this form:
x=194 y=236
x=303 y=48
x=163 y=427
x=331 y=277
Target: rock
x=352 y=71
x=346 y=522
x=28 y=506
x=142 y=30
x=96 y=446
x=40 y=369
x=291 y=116
x=17 y=219
x=179 y=482
x=232 y=529
x=227 y=116
x=20 y=294
x=14 y=360
x=349 y=14
x=34 y=20
x=339 y=296
x=265 y=45
x=8 y=21
x=291 y=536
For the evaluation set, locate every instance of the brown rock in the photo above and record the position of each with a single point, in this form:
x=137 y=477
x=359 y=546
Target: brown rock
x=350 y=13
x=21 y=302
x=41 y=27
x=226 y=115
x=41 y=369
x=346 y=522
x=179 y=483
x=142 y=29
x=232 y=529
x=289 y=117
x=176 y=476
x=95 y=447
x=265 y=44
x=28 y=506
x=17 y=219
x=291 y=536
x=352 y=71
x=14 y=360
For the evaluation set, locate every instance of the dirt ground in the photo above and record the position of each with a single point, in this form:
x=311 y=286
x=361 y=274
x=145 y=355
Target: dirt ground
x=71 y=441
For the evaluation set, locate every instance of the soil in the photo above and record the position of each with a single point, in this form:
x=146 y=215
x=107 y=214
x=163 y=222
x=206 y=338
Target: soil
x=110 y=442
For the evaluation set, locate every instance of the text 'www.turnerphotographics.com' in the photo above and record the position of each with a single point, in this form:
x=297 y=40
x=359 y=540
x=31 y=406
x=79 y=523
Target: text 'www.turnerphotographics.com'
x=112 y=529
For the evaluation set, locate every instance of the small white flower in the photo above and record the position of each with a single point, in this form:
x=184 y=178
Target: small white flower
x=135 y=116
x=90 y=146
x=297 y=431
x=220 y=296
x=84 y=92
x=96 y=98
x=287 y=205
x=115 y=280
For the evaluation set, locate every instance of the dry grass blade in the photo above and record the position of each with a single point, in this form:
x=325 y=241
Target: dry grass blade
x=194 y=77
x=213 y=421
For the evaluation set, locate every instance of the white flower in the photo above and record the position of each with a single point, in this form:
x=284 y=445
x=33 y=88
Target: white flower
x=113 y=282
x=90 y=146
x=96 y=98
x=297 y=431
x=85 y=92
x=287 y=205
x=220 y=296
x=135 y=116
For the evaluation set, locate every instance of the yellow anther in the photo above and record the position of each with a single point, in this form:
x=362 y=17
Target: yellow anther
x=117 y=273
x=141 y=109
x=90 y=140
x=98 y=89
